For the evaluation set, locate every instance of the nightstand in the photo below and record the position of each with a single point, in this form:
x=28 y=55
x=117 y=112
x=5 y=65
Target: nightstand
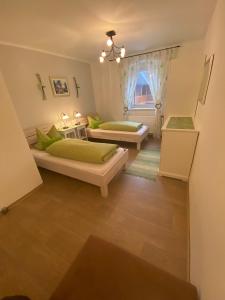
x=68 y=132
x=81 y=132
x=74 y=132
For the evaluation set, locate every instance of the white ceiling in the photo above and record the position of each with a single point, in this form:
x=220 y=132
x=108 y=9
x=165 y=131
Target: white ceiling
x=77 y=28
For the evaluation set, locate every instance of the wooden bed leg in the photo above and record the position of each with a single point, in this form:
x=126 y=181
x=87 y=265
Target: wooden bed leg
x=138 y=146
x=104 y=191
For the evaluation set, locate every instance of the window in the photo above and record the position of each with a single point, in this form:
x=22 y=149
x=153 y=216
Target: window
x=142 y=95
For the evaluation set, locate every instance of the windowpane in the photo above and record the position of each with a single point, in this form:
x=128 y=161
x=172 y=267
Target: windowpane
x=142 y=94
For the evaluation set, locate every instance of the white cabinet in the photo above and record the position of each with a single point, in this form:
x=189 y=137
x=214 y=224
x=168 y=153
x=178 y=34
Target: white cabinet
x=179 y=138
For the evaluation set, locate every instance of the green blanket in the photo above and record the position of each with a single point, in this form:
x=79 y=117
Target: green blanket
x=82 y=150
x=121 y=126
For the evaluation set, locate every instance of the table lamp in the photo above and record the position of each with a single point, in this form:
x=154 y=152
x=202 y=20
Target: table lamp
x=77 y=115
x=64 y=118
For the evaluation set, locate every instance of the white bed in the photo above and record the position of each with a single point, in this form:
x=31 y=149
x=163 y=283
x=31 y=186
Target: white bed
x=96 y=174
x=125 y=136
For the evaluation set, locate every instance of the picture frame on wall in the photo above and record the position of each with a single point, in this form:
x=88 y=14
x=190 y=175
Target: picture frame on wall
x=60 y=86
x=208 y=65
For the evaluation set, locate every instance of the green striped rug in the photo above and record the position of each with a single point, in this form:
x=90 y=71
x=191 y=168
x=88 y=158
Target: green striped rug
x=145 y=165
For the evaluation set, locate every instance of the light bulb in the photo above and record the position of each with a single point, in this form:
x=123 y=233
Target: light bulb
x=103 y=54
x=122 y=52
x=118 y=60
x=77 y=115
x=109 y=42
x=101 y=59
x=65 y=116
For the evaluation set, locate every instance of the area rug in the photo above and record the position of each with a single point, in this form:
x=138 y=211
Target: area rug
x=145 y=165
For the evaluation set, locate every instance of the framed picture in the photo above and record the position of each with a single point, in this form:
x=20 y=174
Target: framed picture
x=206 y=78
x=60 y=86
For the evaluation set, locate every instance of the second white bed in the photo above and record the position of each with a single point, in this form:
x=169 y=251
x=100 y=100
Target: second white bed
x=115 y=135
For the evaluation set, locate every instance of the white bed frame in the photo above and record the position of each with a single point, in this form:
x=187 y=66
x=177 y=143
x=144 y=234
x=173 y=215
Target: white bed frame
x=123 y=136
x=79 y=170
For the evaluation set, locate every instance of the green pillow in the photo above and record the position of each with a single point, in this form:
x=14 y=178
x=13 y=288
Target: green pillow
x=53 y=133
x=45 y=140
x=93 y=122
x=97 y=118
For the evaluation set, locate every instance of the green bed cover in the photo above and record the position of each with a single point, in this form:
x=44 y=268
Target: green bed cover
x=121 y=126
x=82 y=150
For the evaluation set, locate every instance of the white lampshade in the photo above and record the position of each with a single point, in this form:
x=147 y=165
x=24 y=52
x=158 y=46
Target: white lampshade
x=103 y=54
x=118 y=59
x=101 y=59
x=64 y=116
x=109 y=42
x=122 y=52
x=77 y=115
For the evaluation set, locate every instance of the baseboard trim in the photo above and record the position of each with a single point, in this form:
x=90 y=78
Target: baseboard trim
x=9 y=207
x=173 y=175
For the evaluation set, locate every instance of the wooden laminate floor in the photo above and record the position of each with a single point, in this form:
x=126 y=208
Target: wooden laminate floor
x=42 y=234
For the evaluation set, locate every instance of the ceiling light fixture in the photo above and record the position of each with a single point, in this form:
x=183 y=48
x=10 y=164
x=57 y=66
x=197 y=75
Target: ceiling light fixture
x=113 y=54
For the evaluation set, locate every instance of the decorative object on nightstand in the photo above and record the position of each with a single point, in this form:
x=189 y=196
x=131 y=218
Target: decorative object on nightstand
x=64 y=117
x=77 y=116
x=81 y=132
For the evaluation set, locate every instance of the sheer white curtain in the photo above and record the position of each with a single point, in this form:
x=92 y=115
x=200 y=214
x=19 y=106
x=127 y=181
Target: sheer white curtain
x=157 y=64
x=130 y=68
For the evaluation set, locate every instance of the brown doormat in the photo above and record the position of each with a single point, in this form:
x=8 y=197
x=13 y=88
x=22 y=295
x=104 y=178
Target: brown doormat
x=103 y=271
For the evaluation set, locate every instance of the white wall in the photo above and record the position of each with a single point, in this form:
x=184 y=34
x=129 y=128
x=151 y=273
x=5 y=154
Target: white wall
x=184 y=79
x=19 y=67
x=182 y=87
x=18 y=172
x=207 y=182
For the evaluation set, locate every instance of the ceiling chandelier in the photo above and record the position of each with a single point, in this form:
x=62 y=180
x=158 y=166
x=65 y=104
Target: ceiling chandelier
x=115 y=52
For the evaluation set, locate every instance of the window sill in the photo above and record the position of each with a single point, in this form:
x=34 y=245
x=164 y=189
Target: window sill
x=142 y=109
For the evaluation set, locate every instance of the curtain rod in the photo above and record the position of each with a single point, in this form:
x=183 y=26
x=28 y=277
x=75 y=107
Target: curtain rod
x=174 y=47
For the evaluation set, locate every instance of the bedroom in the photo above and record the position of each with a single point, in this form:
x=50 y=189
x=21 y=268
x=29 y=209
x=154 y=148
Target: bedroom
x=46 y=216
